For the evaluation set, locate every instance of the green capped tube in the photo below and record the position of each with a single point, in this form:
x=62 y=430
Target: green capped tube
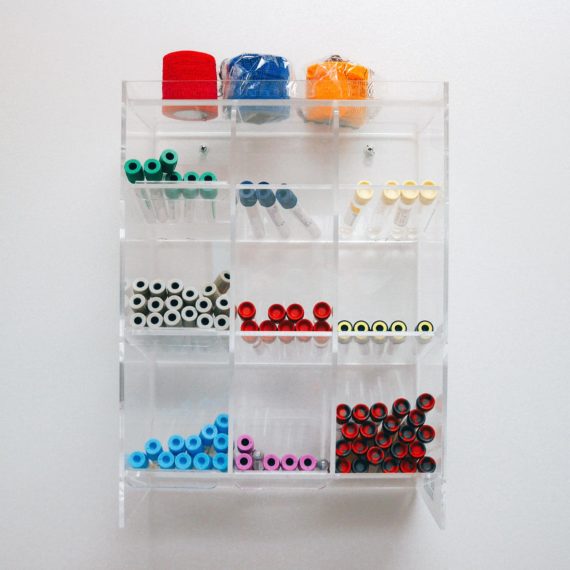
x=189 y=195
x=153 y=173
x=152 y=170
x=134 y=171
x=172 y=196
x=208 y=193
x=168 y=160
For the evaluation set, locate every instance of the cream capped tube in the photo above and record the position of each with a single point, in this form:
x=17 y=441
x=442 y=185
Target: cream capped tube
x=362 y=195
x=404 y=207
x=288 y=201
x=381 y=217
x=428 y=200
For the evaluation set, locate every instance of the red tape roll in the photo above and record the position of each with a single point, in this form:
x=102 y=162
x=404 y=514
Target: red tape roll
x=189 y=75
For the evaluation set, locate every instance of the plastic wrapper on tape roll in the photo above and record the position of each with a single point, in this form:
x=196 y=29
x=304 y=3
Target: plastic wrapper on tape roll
x=337 y=78
x=189 y=75
x=256 y=76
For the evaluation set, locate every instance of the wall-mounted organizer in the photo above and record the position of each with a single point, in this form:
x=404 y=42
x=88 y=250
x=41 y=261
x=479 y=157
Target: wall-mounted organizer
x=360 y=223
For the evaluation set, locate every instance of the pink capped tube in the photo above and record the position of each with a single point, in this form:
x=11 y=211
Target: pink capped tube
x=307 y=463
x=289 y=462
x=245 y=443
x=244 y=462
x=271 y=462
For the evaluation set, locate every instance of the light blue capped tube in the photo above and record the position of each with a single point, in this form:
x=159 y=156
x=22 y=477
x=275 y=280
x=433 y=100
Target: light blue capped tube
x=137 y=460
x=194 y=445
x=266 y=199
x=176 y=444
x=289 y=201
x=183 y=461
x=248 y=199
x=166 y=460
x=220 y=462
x=221 y=442
x=202 y=462
x=153 y=448
x=222 y=423
x=208 y=433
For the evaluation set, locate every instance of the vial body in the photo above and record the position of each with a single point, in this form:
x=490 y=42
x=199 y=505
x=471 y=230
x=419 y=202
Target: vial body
x=277 y=219
x=307 y=221
x=255 y=221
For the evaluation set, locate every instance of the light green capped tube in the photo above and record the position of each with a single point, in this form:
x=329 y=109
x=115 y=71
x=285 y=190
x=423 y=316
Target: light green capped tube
x=153 y=173
x=173 y=193
x=152 y=169
x=134 y=171
x=189 y=195
x=208 y=193
x=168 y=160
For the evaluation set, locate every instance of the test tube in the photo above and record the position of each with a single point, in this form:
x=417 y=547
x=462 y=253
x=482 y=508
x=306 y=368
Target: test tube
x=154 y=320
x=175 y=287
x=210 y=291
x=360 y=198
x=362 y=327
x=174 y=303
x=205 y=321
x=266 y=199
x=190 y=295
x=138 y=304
x=222 y=305
x=172 y=319
x=221 y=323
x=158 y=288
x=379 y=327
x=426 y=328
x=209 y=194
x=172 y=196
x=189 y=316
x=140 y=287
x=384 y=211
x=138 y=321
x=248 y=199
x=204 y=305
x=222 y=282
x=289 y=201
x=155 y=305
x=168 y=160
x=404 y=208
x=153 y=173
x=395 y=327
x=190 y=195
x=134 y=172
x=344 y=327
x=428 y=198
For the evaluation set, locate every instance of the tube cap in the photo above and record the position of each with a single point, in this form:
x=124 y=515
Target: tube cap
x=168 y=160
x=378 y=412
x=245 y=443
x=208 y=193
x=265 y=196
x=363 y=195
x=166 y=460
x=360 y=465
x=322 y=311
x=343 y=448
x=220 y=462
x=183 y=461
x=307 y=463
x=153 y=448
x=375 y=455
x=425 y=402
x=173 y=193
x=427 y=195
x=271 y=462
x=390 y=195
x=343 y=465
x=408 y=465
x=244 y=462
x=190 y=193
x=208 y=433
x=202 y=461
x=426 y=434
x=289 y=462
x=360 y=413
x=406 y=433
x=416 y=418
x=295 y=312
x=194 y=444
x=137 y=460
x=246 y=310
x=222 y=423
x=286 y=198
x=426 y=465
x=343 y=412
x=276 y=312
x=248 y=198
x=401 y=408
x=349 y=430
x=134 y=171
x=417 y=449
x=176 y=444
x=221 y=441
x=411 y=195
x=152 y=169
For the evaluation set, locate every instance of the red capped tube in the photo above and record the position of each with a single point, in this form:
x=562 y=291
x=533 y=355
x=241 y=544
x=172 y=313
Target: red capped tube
x=416 y=418
x=304 y=326
x=390 y=424
x=286 y=326
x=378 y=412
x=276 y=313
x=343 y=412
x=321 y=327
x=349 y=431
x=268 y=326
x=426 y=465
x=425 y=402
x=246 y=311
x=343 y=465
x=250 y=326
x=399 y=450
x=295 y=312
x=406 y=433
x=359 y=446
x=401 y=408
x=360 y=413
x=426 y=434
x=417 y=449
x=343 y=448
x=374 y=455
x=322 y=311
x=368 y=429
x=383 y=440
x=390 y=464
x=408 y=465
x=360 y=465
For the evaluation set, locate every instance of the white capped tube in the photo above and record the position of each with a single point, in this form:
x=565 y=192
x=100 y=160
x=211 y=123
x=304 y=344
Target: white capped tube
x=189 y=316
x=205 y=321
x=267 y=200
x=138 y=303
x=222 y=306
x=155 y=305
x=404 y=210
x=210 y=291
x=190 y=295
x=154 y=320
x=289 y=201
x=362 y=195
x=175 y=287
x=174 y=303
x=221 y=323
x=172 y=319
x=158 y=288
x=138 y=321
x=204 y=305
x=140 y=287
x=248 y=199
x=381 y=217
x=222 y=282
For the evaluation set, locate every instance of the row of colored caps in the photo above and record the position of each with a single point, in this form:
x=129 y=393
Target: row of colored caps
x=377 y=462
x=189 y=293
x=183 y=461
x=266 y=196
x=278 y=313
x=382 y=327
x=378 y=411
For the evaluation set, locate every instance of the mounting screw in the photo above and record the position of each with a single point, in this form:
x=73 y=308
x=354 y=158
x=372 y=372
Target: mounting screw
x=204 y=149
x=369 y=150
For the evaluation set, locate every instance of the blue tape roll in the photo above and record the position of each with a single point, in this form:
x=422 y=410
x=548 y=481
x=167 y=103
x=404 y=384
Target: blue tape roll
x=220 y=462
x=222 y=422
x=221 y=443
x=183 y=461
x=176 y=444
x=166 y=460
x=153 y=449
x=202 y=462
x=208 y=433
x=194 y=445
x=137 y=460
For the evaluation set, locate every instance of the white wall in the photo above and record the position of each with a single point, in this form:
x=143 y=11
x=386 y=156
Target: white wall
x=507 y=62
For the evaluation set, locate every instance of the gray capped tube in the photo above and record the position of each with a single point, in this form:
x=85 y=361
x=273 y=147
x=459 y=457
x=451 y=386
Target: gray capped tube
x=222 y=282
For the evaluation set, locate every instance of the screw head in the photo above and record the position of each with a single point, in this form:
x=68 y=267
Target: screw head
x=370 y=150
x=203 y=149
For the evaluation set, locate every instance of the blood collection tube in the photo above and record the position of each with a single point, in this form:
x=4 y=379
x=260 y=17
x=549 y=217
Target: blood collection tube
x=399 y=450
x=166 y=460
x=176 y=444
x=158 y=288
x=406 y=433
x=382 y=216
x=134 y=172
x=172 y=196
x=140 y=287
x=210 y=291
x=153 y=173
x=244 y=462
x=426 y=330
x=344 y=327
x=343 y=465
x=379 y=327
x=286 y=326
x=425 y=402
x=190 y=296
x=221 y=322
x=343 y=412
x=383 y=440
x=271 y=462
x=174 y=303
x=398 y=327
x=172 y=319
x=416 y=418
x=270 y=327
x=137 y=460
x=400 y=408
x=153 y=448
x=307 y=463
x=362 y=195
x=138 y=303
x=222 y=281
x=154 y=320
x=289 y=201
x=368 y=429
x=295 y=312
x=204 y=305
x=426 y=465
x=361 y=327
x=222 y=306
x=408 y=465
x=138 y=321
x=245 y=443
x=428 y=198
x=374 y=456
x=276 y=313
x=390 y=464
x=378 y=412
x=350 y=431
x=322 y=327
x=289 y=462
x=190 y=195
x=417 y=449
x=322 y=311
x=426 y=434
x=404 y=208
x=390 y=424
x=155 y=305
x=360 y=465
x=183 y=461
x=189 y=316
x=266 y=199
x=358 y=446
x=246 y=310
x=343 y=448
x=248 y=199
x=304 y=326
x=360 y=413
x=204 y=321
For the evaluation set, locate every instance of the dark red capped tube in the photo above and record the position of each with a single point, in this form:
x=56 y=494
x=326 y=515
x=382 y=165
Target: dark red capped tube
x=343 y=465
x=390 y=424
x=426 y=434
x=321 y=327
x=399 y=450
x=374 y=455
x=246 y=311
x=349 y=431
x=408 y=465
x=368 y=429
x=383 y=440
x=286 y=326
x=401 y=408
x=359 y=446
x=276 y=312
x=295 y=312
x=416 y=418
x=426 y=465
x=406 y=433
x=322 y=311
x=425 y=402
x=417 y=449
x=343 y=448
x=390 y=464
x=343 y=412
x=250 y=326
x=378 y=412
x=360 y=413
x=304 y=326
x=268 y=326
